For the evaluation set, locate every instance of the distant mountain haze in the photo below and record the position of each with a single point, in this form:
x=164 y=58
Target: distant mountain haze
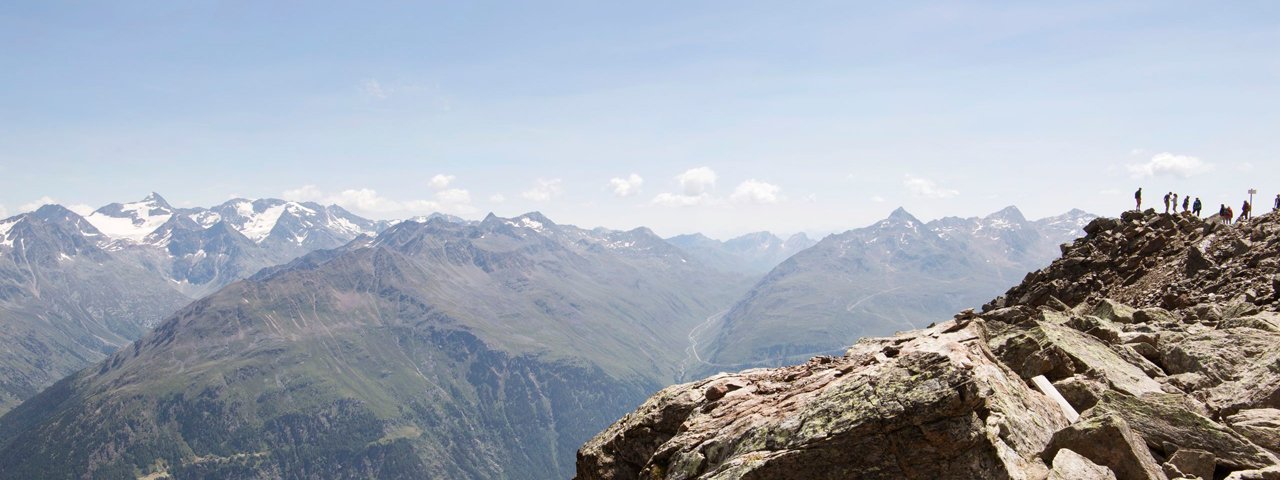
x=897 y=274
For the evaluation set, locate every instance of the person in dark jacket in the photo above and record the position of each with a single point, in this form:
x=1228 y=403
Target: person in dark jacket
x=1137 y=198
x=1166 y=202
x=1186 y=201
x=1277 y=207
x=1197 y=207
x=1246 y=211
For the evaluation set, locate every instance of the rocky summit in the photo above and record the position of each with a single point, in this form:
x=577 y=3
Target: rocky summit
x=1147 y=351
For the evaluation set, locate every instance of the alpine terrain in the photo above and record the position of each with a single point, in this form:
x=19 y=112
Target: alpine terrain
x=73 y=289
x=437 y=349
x=1147 y=351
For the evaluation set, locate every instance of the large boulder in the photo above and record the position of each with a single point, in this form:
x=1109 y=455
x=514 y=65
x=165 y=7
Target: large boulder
x=1258 y=386
x=1261 y=425
x=930 y=404
x=1069 y=465
x=1192 y=463
x=1163 y=420
x=1058 y=351
x=1107 y=440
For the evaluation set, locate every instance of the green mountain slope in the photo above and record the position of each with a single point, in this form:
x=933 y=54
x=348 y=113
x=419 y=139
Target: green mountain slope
x=436 y=350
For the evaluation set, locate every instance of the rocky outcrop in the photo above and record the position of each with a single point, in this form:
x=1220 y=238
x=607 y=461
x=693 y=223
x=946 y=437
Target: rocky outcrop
x=934 y=403
x=1160 y=330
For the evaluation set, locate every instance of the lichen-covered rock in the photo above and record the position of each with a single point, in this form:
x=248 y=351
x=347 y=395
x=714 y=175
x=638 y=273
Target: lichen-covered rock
x=1107 y=440
x=1040 y=350
x=1261 y=425
x=930 y=404
x=1162 y=419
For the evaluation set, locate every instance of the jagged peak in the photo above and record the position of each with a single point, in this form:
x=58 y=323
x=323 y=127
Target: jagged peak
x=537 y=217
x=1009 y=213
x=900 y=215
x=157 y=200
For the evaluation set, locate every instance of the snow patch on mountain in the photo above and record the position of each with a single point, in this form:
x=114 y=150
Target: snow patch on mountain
x=258 y=225
x=131 y=221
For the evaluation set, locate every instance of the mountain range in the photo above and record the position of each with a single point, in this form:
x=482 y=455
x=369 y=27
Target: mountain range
x=483 y=350
x=438 y=347
x=75 y=288
x=753 y=253
x=894 y=275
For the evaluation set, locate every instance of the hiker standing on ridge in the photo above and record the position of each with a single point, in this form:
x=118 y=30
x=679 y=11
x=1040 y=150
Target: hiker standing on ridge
x=1231 y=215
x=1186 y=200
x=1175 y=203
x=1166 y=202
x=1197 y=207
x=1137 y=198
x=1277 y=207
x=1222 y=213
x=1246 y=211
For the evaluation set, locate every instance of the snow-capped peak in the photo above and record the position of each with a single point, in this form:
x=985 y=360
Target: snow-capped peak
x=131 y=221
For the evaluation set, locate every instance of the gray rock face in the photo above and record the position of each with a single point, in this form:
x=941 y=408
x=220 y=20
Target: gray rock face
x=1069 y=465
x=1262 y=426
x=1107 y=440
x=949 y=411
x=1193 y=463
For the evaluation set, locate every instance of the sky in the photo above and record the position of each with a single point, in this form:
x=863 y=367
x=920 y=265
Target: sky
x=714 y=117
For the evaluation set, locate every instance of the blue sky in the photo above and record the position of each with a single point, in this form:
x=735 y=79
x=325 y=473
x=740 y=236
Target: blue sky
x=734 y=116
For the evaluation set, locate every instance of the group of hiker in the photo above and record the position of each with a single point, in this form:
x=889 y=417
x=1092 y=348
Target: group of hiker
x=1225 y=213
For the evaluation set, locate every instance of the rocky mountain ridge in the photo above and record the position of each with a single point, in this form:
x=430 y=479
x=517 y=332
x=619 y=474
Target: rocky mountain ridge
x=1147 y=351
x=889 y=276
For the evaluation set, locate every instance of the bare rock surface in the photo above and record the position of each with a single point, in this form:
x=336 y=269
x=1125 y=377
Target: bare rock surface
x=1069 y=465
x=934 y=403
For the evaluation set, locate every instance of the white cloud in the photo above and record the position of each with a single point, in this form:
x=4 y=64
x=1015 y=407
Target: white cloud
x=1169 y=165
x=1245 y=167
x=454 y=195
x=372 y=88
x=441 y=181
x=305 y=193
x=676 y=200
x=755 y=191
x=626 y=187
x=697 y=181
x=543 y=190
x=368 y=201
x=497 y=198
x=37 y=203
x=923 y=187
x=878 y=199
x=80 y=209
x=695 y=189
